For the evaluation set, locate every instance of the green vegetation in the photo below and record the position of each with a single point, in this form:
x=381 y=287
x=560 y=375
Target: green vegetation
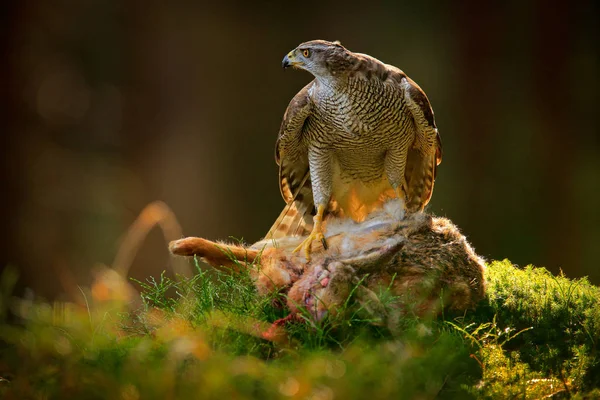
x=535 y=335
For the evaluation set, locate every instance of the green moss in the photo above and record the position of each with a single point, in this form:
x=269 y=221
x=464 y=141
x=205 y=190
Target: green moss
x=562 y=317
x=535 y=335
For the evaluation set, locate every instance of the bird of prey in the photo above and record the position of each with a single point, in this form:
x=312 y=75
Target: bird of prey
x=359 y=133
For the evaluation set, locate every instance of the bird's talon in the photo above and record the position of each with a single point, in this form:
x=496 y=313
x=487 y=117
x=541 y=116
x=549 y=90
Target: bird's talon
x=306 y=244
x=324 y=243
x=316 y=234
x=307 y=252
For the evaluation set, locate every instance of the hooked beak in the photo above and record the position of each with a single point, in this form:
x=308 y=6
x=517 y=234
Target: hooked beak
x=288 y=60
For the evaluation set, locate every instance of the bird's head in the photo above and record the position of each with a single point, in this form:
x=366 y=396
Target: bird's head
x=319 y=57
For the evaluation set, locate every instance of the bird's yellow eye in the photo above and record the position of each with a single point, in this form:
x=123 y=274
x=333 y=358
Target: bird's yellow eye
x=306 y=53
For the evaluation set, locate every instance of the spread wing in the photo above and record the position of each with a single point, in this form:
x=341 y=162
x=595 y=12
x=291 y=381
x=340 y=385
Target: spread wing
x=426 y=152
x=294 y=175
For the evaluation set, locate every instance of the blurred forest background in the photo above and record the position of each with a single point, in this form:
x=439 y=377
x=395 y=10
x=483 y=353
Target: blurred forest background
x=111 y=104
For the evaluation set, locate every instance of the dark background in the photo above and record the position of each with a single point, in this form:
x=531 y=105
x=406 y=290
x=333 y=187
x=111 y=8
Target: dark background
x=110 y=105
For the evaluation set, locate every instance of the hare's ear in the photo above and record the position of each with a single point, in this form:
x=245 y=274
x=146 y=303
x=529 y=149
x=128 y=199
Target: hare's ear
x=337 y=42
x=376 y=257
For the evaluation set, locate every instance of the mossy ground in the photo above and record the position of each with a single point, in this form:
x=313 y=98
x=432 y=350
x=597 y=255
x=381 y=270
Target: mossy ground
x=535 y=335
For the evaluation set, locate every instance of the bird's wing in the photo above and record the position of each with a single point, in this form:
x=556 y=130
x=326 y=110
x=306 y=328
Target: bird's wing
x=294 y=175
x=426 y=152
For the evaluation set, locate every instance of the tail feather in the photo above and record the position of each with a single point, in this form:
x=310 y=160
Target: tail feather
x=296 y=218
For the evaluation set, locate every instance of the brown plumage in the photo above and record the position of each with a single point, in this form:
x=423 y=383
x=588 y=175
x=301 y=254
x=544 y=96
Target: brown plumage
x=359 y=133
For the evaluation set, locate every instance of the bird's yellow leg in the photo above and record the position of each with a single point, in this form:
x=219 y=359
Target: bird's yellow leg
x=316 y=234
